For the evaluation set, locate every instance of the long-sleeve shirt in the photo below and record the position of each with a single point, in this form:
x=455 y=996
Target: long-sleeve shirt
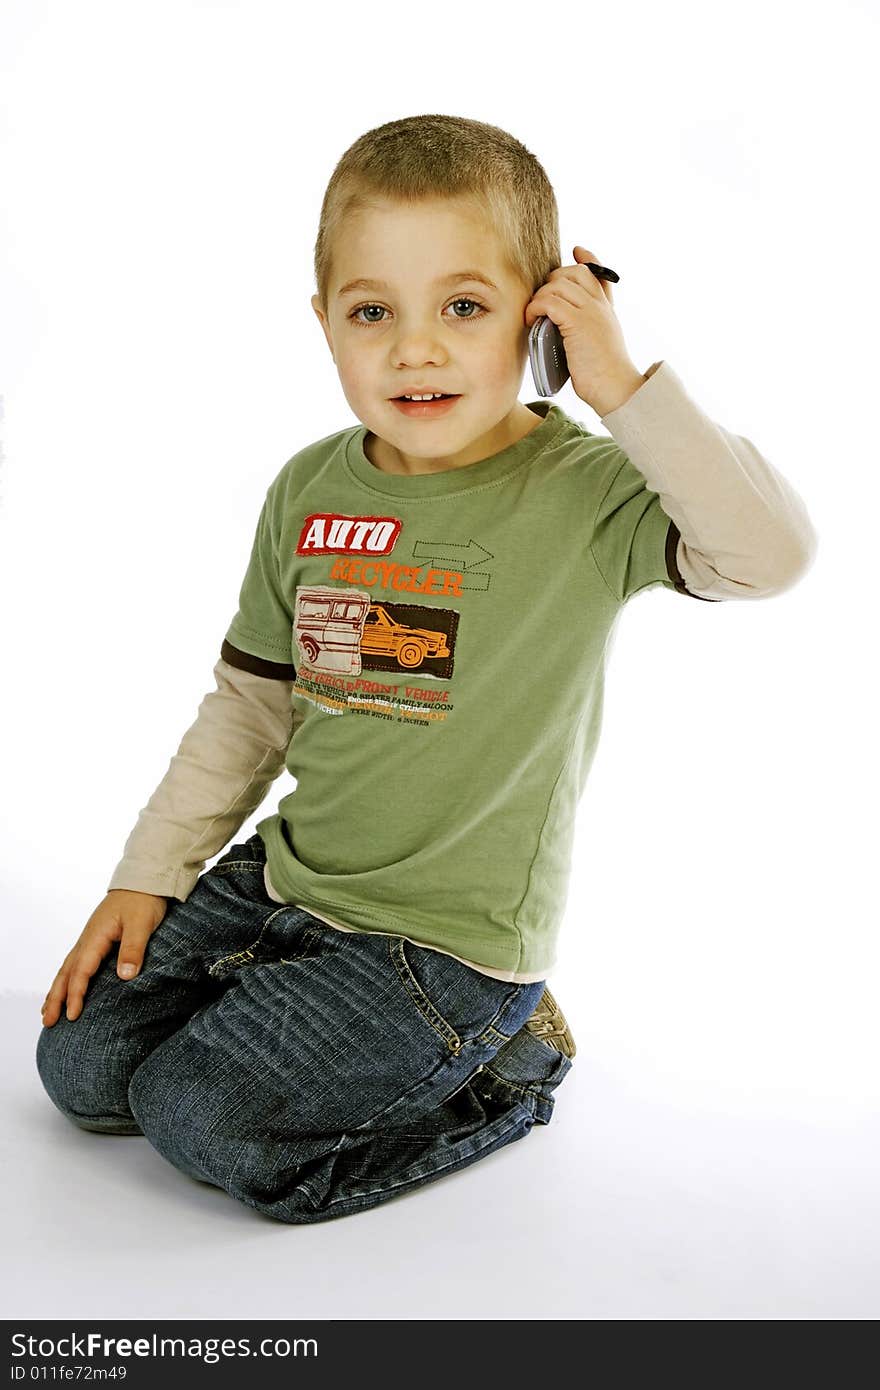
x=426 y=655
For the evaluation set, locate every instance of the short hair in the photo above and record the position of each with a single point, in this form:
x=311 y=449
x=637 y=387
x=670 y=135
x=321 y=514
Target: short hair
x=422 y=157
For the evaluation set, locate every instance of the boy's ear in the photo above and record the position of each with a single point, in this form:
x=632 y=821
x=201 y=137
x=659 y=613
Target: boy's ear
x=322 y=319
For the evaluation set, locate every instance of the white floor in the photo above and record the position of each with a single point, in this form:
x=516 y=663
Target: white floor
x=632 y=1204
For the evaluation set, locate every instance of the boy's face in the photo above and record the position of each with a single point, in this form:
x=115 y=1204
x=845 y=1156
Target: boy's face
x=418 y=325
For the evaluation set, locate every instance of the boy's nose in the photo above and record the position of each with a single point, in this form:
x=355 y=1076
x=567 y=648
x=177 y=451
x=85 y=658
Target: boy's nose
x=418 y=346
x=414 y=343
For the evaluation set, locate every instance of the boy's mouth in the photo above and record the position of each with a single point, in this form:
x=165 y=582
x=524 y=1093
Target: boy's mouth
x=424 y=410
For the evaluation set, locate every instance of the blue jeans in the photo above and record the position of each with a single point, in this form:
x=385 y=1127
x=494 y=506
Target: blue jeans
x=307 y=1071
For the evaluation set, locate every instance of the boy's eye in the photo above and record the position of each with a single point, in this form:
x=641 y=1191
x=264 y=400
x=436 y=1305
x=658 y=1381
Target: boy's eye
x=462 y=318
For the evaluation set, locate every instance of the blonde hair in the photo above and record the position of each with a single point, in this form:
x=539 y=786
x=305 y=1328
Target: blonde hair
x=423 y=157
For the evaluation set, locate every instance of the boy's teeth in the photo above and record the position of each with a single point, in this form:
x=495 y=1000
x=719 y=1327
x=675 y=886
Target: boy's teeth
x=435 y=395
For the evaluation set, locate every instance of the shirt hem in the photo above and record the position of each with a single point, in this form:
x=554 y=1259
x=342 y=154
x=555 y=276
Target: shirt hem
x=495 y=972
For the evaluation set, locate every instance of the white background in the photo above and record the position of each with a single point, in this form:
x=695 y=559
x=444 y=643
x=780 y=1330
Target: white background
x=713 y=1152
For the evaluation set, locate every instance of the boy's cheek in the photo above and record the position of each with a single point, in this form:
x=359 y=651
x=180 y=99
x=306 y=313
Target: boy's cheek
x=351 y=372
x=504 y=361
x=361 y=391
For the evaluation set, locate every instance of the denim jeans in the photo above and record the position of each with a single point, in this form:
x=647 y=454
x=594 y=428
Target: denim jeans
x=307 y=1071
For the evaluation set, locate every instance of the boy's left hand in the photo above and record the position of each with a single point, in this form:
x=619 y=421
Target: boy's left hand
x=581 y=305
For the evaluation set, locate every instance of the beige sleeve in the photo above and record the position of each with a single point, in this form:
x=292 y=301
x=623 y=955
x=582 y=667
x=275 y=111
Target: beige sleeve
x=226 y=762
x=744 y=531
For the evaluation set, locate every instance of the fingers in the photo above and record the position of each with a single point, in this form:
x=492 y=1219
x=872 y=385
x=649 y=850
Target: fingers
x=72 y=981
x=82 y=969
x=55 y=998
x=125 y=916
x=582 y=256
x=76 y=991
x=576 y=278
x=570 y=274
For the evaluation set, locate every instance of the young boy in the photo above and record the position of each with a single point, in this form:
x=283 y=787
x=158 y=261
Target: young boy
x=352 y=1002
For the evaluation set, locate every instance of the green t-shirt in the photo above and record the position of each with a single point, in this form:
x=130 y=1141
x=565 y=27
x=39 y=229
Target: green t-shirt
x=446 y=635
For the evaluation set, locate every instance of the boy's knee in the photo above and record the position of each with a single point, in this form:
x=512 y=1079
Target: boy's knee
x=52 y=1050
x=153 y=1099
x=72 y=1084
x=141 y=1088
x=153 y=1102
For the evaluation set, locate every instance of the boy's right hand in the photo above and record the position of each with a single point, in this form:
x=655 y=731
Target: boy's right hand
x=125 y=916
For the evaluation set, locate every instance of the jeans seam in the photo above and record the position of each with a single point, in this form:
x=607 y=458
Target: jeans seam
x=419 y=997
x=311 y=934
x=437 y=1169
x=492 y=1036
x=248 y=952
x=524 y=1090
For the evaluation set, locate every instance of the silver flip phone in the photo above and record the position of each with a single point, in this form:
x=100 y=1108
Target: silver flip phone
x=547 y=356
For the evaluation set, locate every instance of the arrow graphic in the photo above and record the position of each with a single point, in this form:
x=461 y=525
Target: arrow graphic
x=463 y=558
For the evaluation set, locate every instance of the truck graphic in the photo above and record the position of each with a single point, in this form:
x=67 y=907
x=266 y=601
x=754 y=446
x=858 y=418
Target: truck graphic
x=384 y=636
x=334 y=626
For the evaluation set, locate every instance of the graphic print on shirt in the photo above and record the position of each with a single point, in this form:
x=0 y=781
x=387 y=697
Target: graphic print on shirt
x=343 y=631
x=445 y=567
x=331 y=533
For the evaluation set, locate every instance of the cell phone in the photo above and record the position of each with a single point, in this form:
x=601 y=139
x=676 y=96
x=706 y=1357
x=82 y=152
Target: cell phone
x=547 y=356
x=546 y=350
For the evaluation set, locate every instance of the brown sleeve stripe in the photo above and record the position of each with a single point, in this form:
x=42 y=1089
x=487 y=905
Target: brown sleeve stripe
x=672 y=538
x=275 y=670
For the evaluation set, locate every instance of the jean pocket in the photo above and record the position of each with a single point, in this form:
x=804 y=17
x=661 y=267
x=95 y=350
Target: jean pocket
x=459 y=1003
x=237 y=882
x=246 y=854
x=269 y=948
